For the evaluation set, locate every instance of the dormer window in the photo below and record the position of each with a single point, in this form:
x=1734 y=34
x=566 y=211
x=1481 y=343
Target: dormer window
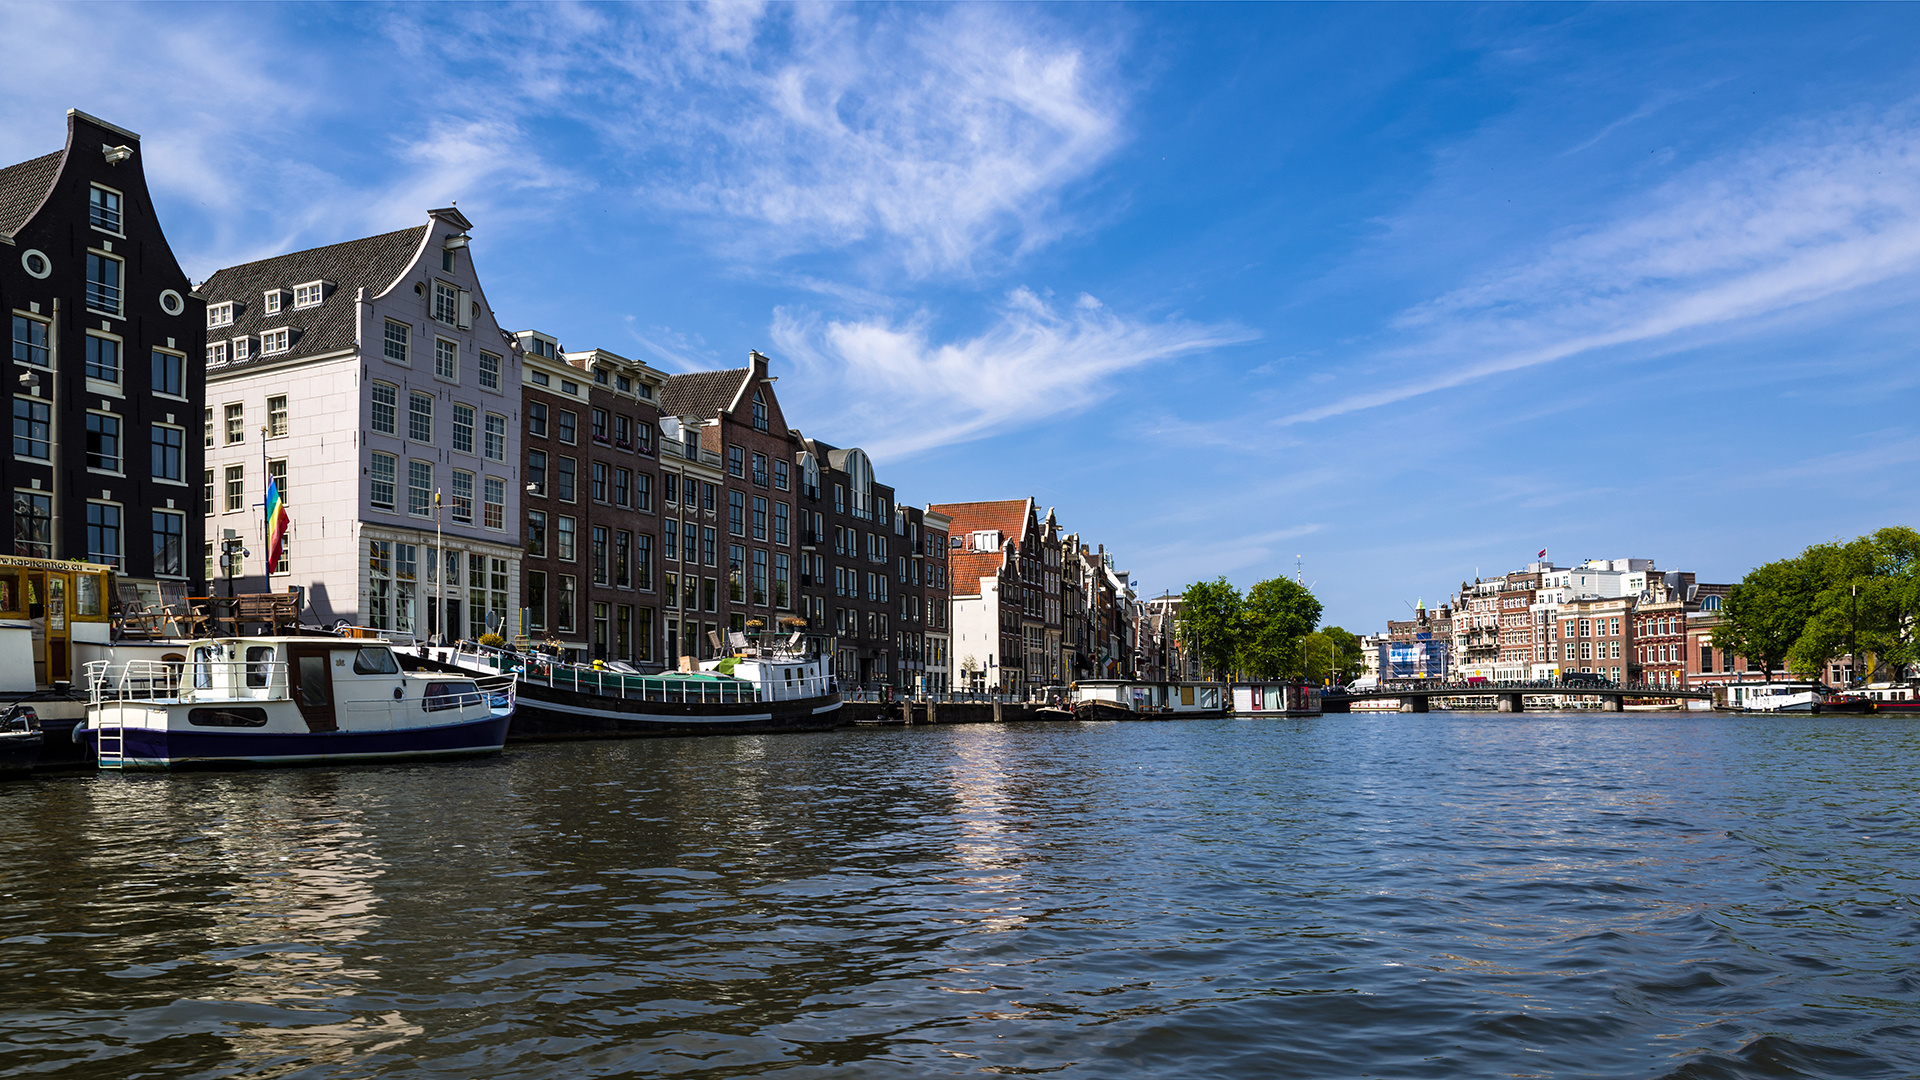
x=220 y=314
x=273 y=342
x=759 y=411
x=242 y=348
x=310 y=294
x=270 y=302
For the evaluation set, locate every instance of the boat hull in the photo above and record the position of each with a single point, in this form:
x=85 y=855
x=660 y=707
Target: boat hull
x=155 y=748
x=20 y=751
x=547 y=713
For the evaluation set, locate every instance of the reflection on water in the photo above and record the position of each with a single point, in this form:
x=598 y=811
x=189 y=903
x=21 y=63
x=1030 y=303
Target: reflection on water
x=1391 y=895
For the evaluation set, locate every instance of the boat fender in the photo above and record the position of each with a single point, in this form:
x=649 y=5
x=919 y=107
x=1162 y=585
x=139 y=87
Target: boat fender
x=78 y=733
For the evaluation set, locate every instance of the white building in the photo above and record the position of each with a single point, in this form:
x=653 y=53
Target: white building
x=371 y=378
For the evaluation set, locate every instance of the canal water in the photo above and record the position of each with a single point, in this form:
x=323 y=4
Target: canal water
x=1467 y=895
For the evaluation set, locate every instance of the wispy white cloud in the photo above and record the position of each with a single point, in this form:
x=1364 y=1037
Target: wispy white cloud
x=1806 y=218
x=903 y=392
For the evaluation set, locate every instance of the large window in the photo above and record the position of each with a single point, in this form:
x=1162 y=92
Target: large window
x=759 y=517
x=103 y=358
x=103 y=534
x=462 y=491
x=420 y=488
x=103 y=208
x=736 y=573
x=670 y=539
x=236 y=423
x=536 y=418
x=383 y=480
x=32 y=427
x=169 y=452
x=463 y=428
x=169 y=373
x=446 y=359
x=566 y=427
x=597 y=480
x=420 y=417
x=169 y=544
x=495 y=491
x=563 y=479
x=537 y=533
x=103 y=441
x=563 y=605
x=446 y=303
x=736 y=513
x=276 y=416
x=385 y=417
x=236 y=487
x=103 y=283
x=32 y=524
x=780 y=523
x=599 y=555
x=496 y=445
x=29 y=341
x=536 y=600
x=489 y=371
x=643 y=561
x=782 y=574
x=563 y=539
x=759 y=577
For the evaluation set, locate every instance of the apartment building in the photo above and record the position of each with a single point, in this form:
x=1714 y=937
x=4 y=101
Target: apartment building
x=107 y=333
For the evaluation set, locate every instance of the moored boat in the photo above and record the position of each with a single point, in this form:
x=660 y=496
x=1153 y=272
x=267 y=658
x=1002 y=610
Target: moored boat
x=1120 y=699
x=287 y=700
x=770 y=683
x=21 y=740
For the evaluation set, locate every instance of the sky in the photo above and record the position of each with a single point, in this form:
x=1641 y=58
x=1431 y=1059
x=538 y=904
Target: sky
x=1394 y=295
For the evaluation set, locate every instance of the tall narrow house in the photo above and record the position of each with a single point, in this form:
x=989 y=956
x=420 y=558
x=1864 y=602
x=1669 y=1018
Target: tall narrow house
x=104 y=325
x=370 y=381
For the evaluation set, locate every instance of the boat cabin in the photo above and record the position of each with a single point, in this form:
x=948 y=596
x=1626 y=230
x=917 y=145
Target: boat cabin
x=48 y=608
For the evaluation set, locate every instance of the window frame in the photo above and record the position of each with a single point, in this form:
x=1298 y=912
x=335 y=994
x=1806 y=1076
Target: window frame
x=119 y=456
x=179 y=453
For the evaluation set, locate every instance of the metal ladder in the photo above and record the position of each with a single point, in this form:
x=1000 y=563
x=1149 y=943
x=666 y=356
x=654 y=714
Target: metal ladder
x=110 y=742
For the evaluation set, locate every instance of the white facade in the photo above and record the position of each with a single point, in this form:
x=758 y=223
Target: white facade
x=976 y=639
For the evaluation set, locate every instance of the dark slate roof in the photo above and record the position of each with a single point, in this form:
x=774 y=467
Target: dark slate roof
x=704 y=394
x=371 y=264
x=22 y=187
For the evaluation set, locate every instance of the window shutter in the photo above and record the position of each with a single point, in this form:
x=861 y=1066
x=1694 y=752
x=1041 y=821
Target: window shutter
x=463 y=310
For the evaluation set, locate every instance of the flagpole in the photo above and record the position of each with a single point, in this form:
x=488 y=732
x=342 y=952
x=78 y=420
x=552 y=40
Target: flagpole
x=266 y=473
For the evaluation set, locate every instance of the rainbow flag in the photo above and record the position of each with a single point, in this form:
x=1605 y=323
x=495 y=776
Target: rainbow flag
x=277 y=522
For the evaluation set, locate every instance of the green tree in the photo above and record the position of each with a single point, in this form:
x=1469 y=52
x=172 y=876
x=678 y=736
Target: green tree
x=1868 y=603
x=1333 y=655
x=1767 y=612
x=1209 y=624
x=1276 y=618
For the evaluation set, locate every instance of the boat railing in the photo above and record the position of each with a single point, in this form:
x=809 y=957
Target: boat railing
x=392 y=637
x=545 y=670
x=172 y=681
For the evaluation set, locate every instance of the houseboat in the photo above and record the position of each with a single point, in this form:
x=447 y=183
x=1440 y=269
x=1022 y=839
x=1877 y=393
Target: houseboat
x=1806 y=697
x=769 y=683
x=54 y=617
x=21 y=740
x=1121 y=699
x=286 y=700
x=1891 y=697
x=1275 y=699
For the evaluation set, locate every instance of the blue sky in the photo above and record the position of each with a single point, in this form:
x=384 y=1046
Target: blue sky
x=1405 y=291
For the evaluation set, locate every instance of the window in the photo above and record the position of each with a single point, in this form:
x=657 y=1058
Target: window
x=537 y=533
x=206 y=490
x=736 y=573
x=382 y=473
x=277 y=415
x=103 y=283
x=622 y=487
x=308 y=295
x=495 y=491
x=708 y=536
x=736 y=513
x=782 y=593
x=242 y=347
x=780 y=523
x=643 y=561
x=29 y=341
x=489 y=371
x=169 y=544
x=644 y=491
x=706 y=496
x=759 y=517
x=670 y=539
x=420 y=488
x=420 y=417
x=623 y=432
x=274 y=342
x=220 y=314
x=103 y=209
x=623 y=559
x=446 y=303
x=565 y=547
x=563 y=478
x=446 y=360
x=32 y=524
x=385 y=414
x=759 y=411
x=536 y=418
x=670 y=487
x=597 y=481
x=32 y=427
x=169 y=452
x=169 y=373
x=103 y=534
x=103 y=441
x=496 y=445
x=462 y=490
x=395 y=345
x=759 y=577
x=563 y=606
x=537 y=471
x=270 y=303
x=760 y=469
x=598 y=421
x=566 y=426
x=536 y=600
x=216 y=353
x=236 y=423
x=103 y=359
x=599 y=554
x=780 y=473
x=736 y=461
x=463 y=428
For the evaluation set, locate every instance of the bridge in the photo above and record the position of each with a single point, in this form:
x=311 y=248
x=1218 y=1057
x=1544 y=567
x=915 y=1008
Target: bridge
x=1508 y=696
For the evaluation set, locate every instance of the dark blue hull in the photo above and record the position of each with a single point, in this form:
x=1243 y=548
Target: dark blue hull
x=149 y=749
x=19 y=752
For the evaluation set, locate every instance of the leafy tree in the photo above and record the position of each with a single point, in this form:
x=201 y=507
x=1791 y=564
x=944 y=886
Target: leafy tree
x=1768 y=611
x=1869 y=602
x=1333 y=655
x=1278 y=615
x=1209 y=624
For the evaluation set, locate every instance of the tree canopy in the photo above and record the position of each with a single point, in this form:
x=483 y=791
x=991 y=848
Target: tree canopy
x=1209 y=624
x=1801 y=613
x=1261 y=634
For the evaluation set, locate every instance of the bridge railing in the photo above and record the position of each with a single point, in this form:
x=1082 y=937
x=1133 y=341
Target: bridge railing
x=1535 y=685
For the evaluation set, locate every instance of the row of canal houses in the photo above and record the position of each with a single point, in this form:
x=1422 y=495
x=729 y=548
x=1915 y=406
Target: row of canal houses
x=449 y=477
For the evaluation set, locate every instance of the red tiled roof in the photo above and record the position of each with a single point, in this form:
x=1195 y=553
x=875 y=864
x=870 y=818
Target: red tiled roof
x=965 y=566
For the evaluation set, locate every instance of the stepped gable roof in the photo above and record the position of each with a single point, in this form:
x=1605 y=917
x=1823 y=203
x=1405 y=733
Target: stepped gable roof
x=372 y=263
x=23 y=187
x=702 y=394
x=966 y=566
